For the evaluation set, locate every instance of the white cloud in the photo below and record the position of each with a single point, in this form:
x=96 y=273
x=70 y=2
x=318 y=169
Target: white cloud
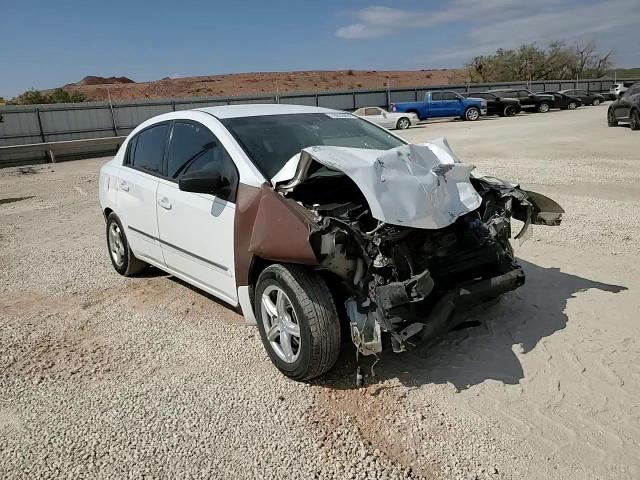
x=506 y=23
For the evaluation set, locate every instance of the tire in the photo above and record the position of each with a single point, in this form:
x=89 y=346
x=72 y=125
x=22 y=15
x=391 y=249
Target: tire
x=596 y=102
x=572 y=106
x=634 y=120
x=611 y=118
x=509 y=111
x=472 y=114
x=300 y=302
x=543 y=107
x=122 y=258
x=403 y=123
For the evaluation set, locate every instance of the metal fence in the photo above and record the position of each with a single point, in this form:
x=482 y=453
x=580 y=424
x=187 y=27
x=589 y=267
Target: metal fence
x=24 y=124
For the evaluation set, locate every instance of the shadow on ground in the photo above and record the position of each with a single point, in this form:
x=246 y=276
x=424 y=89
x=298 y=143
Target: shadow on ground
x=469 y=356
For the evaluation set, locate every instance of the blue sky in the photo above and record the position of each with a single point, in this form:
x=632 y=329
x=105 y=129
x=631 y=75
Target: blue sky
x=51 y=43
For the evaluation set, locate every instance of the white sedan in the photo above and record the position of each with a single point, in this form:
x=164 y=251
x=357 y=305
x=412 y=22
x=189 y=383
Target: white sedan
x=316 y=223
x=385 y=119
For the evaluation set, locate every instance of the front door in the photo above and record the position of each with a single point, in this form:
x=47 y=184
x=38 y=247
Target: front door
x=196 y=229
x=137 y=184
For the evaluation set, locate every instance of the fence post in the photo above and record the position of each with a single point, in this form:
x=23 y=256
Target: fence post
x=40 y=124
x=113 y=120
x=317 y=101
x=415 y=94
x=353 y=94
x=173 y=105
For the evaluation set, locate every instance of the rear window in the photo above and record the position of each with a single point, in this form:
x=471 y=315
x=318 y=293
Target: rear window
x=271 y=140
x=149 y=149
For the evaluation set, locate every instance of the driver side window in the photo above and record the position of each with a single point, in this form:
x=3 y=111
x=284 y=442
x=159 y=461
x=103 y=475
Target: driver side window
x=194 y=148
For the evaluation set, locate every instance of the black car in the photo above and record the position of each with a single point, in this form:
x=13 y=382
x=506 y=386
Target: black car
x=626 y=108
x=565 y=102
x=537 y=102
x=587 y=98
x=505 y=107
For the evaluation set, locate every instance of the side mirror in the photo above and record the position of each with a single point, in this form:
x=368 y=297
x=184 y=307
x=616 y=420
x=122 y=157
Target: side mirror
x=204 y=182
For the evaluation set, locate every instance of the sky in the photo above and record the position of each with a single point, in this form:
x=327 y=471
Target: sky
x=51 y=43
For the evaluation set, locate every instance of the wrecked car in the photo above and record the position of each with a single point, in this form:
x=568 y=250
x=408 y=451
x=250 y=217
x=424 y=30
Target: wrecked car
x=317 y=224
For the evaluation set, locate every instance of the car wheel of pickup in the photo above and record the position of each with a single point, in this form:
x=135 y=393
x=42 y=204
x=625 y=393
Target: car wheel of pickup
x=297 y=320
x=634 y=120
x=472 y=114
x=509 y=111
x=403 y=124
x=611 y=119
x=543 y=107
x=120 y=253
x=596 y=102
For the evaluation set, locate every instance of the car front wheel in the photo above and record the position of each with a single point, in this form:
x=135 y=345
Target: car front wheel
x=572 y=105
x=611 y=119
x=596 y=102
x=543 y=107
x=634 y=121
x=472 y=114
x=297 y=320
x=509 y=111
x=403 y=124
x=120 y=253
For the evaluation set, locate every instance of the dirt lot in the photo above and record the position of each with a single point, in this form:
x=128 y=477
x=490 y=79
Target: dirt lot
x=256 y=83
x=106 y=377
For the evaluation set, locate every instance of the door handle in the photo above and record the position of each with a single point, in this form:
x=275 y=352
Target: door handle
x=165 y=203
x=124 y=186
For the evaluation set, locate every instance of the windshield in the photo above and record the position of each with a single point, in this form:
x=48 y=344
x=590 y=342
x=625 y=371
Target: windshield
x=271 y=140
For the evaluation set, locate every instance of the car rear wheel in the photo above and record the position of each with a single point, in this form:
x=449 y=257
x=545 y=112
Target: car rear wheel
x=472 y=114
x=509 y=111
x=611 y=119
x=297 y=320
x=634 y=120
x=403 y=123
x=543 y=107
x=572 y=105
x=120 y=253
x=596 y=102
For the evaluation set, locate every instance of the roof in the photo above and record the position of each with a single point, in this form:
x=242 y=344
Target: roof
x=254 y=110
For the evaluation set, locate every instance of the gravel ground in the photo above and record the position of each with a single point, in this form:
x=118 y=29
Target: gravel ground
x=106 y=377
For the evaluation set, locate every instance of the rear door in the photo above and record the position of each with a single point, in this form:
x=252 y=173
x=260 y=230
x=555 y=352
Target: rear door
x=196 y=229
x=137 y=185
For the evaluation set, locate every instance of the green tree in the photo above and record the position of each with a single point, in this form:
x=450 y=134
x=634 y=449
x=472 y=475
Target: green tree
x=530 y=62
x=59 y=95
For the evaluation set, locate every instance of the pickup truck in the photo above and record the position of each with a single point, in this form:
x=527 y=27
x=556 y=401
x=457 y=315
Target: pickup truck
x=444 y=104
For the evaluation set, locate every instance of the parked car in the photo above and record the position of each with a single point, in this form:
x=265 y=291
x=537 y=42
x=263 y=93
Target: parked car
x=565 y=102
x=587 y=98
x=444 y=104
x=505 y=107
x=298 y=213
x=618 y=88
x=529 y=101
x=385 y=119
x=626 y=108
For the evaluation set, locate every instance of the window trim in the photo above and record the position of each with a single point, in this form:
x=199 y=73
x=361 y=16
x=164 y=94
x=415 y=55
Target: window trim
x=127 y=161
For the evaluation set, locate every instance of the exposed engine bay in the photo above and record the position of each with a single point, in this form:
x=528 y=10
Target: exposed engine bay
x=411 y=234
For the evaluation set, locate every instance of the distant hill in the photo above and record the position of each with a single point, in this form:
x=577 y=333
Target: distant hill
x=256 y=83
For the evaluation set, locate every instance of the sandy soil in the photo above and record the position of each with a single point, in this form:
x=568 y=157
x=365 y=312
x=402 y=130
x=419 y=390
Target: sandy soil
x=542 y=385
x=257 y=83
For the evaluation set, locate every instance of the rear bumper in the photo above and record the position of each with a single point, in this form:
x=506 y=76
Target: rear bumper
x=442 y=319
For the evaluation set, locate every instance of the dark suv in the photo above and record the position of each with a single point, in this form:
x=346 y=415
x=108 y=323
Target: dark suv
x=626 y=108
x=505 y=107
x=538 y=102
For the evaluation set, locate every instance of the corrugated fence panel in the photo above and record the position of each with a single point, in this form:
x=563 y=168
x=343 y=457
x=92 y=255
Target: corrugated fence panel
x=20 y=127
x=399 y=96
x=372 y=99
x=308 y=100
x=133 y=115
x=208 y=103
x=77 y=124
x=340 y=101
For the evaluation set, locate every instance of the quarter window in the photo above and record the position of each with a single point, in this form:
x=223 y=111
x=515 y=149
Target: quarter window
x=449 y=96
x=149 y=147
x=194 y=148
x=436 y=96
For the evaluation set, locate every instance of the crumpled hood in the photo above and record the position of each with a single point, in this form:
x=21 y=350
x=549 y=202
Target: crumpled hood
x=420 y=186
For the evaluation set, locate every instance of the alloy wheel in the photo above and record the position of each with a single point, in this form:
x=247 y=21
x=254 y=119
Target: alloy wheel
x=280 y=324
x=116 y=244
